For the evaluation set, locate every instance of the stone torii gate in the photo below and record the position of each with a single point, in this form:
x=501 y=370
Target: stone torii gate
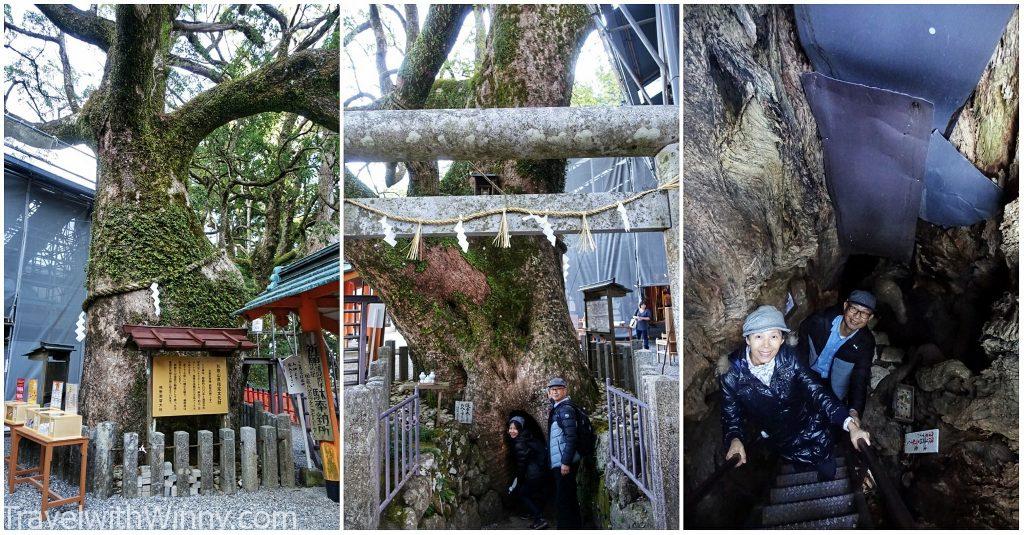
x=519 y=133
x=522 y=133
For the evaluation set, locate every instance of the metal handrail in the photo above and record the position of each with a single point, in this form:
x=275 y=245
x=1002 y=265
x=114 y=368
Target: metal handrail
x=894 y=505
x=694 y=497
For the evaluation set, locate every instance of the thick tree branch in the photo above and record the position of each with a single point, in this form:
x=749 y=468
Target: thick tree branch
x=82 y=25
x=305 y=83
x=383 y=78
x=424 y=60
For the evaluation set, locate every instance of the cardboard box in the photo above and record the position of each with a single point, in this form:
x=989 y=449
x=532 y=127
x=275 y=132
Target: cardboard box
x=16 y=411
x=58 y=424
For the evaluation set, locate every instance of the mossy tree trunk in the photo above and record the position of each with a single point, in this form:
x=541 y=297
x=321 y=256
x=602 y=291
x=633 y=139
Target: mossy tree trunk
x=143 y=227
x=494 y=321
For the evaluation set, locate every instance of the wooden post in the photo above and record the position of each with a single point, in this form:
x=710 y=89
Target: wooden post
x=403 y=363
x=309 y=317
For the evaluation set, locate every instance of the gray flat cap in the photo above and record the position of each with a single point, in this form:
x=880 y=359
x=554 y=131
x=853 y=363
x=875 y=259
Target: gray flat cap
x=557 y=381
x=865 y=299
x=764 y=318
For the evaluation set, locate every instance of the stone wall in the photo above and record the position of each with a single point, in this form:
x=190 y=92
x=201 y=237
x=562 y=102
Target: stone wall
x=363 y=404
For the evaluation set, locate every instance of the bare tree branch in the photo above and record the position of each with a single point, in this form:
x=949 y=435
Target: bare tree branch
x=412 y=25
x=252 y=34
x=195 y=67
x=384 y=79
x=350 y=36
x=315 y=36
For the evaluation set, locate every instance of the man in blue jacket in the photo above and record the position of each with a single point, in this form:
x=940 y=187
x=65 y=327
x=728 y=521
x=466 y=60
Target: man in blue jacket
x=838 y=346
x=562 y=440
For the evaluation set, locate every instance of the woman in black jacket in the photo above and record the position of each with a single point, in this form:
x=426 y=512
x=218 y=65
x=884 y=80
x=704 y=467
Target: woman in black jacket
x=530 y=455
x=768 y=386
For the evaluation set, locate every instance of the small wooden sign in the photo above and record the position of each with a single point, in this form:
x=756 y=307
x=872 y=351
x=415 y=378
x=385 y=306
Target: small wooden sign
x=921 y=442
x=903 y=403
x=464 y=412
x=185 y=386
x=316 y=391
x=57 y=394
x=71 y=401
x=33 y=392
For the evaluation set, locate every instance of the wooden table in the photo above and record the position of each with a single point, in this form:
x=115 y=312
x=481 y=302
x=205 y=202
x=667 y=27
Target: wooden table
x=42 y=480
x=439 y=387
x=12 y=425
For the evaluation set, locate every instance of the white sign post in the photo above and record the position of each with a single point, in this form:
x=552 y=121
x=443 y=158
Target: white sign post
x=921 y=442
x=293 y=379
x=257 y=325
x=464 y=412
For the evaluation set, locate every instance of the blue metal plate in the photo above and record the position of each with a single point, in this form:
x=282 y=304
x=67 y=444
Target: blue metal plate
x=936 y=52
x=875 y=144
x=955 y=192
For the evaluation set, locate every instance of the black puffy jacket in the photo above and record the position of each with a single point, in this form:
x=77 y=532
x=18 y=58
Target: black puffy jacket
x=531 y=456
x=795 y=411
x=855 y=355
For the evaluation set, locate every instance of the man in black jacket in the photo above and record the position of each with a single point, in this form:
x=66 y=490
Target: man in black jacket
x=838 y=346
x=562 y=440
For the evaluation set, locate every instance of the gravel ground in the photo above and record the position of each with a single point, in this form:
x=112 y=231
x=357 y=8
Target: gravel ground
x=298 y=508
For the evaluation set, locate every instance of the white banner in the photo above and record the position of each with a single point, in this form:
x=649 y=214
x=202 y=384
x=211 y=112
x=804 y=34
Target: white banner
x=293 y=375
x=921 y=442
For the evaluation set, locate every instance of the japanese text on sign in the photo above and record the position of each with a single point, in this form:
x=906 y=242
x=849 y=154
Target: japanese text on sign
x=189 y=385
x=464 y=412
x=921 y=442
x=316 y=392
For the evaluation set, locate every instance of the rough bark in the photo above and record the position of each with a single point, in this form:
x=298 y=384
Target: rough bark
x=757 y=212
x=759 y=224
x=500 y=133
x=494 y=321
x=143 y=228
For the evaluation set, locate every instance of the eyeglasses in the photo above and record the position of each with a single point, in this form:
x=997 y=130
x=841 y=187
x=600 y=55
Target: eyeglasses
x=859 y=312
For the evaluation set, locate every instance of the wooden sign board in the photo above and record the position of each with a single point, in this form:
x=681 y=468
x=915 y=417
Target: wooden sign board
x=293 y=374
x=71 y=403
x=56 y=394
x=921 y=442
x=33 y=392
x=597 y=316
x=903 y=403
x=316 y=391
x=186 y=386
x=464 y=412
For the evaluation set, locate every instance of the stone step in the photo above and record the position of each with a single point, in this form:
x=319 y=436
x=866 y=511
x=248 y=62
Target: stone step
x=790 y=469
x=803 y=478
x=837 y=522
x=810 y=491
x=788 y=513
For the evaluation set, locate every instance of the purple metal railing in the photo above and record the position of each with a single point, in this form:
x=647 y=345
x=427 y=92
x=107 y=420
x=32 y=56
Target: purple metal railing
x=399 y=432
x=628 y=437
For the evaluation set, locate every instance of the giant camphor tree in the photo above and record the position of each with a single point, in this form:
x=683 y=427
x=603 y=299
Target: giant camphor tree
x=493 y=321
x=144 y=123
x=760 y=225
